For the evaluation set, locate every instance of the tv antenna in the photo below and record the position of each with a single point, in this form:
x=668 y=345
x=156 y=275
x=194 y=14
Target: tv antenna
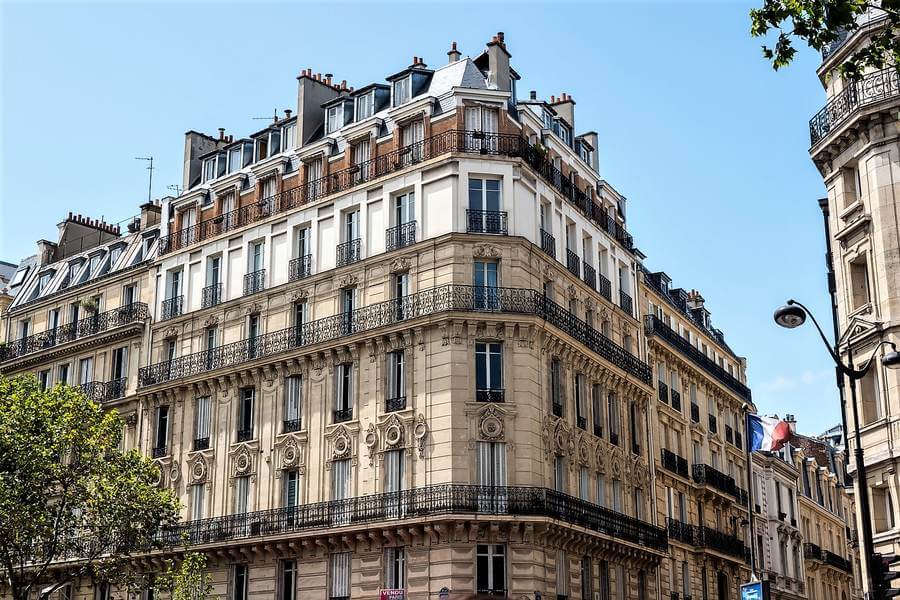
x=174 y=188
x=274 y=117
x=149 y=168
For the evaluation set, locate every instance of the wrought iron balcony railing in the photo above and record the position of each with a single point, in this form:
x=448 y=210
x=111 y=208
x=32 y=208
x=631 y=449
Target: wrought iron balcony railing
x=245 y=435
x=654 y=326
x=400 y=236
x=557 y=409
x=725 y=543
x=171 y=307
x=81 y=329
x=605 y=287
x=159 y=451
x=590 y=276
x=548 y=243
x=871 y=89
x=812 y=551
x=626 y=303
x=103 y=391
x=416 y=503
x=695 y=413
x=342 y=415
x=490 y=395
x=254 y=282
x=211 y=295
x=348 y=252
x=459 y=141
x=662 y=392
x=678 y=530
x=441 y=299
x=706 y=475
x=573 y=263
x=201 y=443
x=395 y=404
x=837 y=561
x=486 y=221
x=291 y=425
x=676 y=399
x=674 y=463
x=300 y=267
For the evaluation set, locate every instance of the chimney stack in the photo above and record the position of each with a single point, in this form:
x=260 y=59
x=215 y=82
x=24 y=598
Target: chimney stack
x=532 y=95
x=565 y=108
x=454 y=54
x=312 y=92
x=498 y=64
x=694 y=300
x=287 y=113
x=221 y=133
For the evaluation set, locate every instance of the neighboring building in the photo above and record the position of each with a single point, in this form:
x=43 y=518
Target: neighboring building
x=856 y=147
x=7 y=272
x=701 y=479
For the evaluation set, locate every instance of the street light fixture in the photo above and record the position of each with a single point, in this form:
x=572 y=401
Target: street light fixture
x=792 y=315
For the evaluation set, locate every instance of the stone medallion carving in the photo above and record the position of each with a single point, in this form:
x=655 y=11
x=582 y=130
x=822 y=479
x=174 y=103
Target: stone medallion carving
x=199 y=469
x=242 y=462
x=170 y=332
x=340 y=446
x=253 y=308
x=290 y=454
x=174 y=472
x=371 y=442
x=584 y=452
x=393 y=433
x=420 y=432
x=490 y=426
x=300 y=295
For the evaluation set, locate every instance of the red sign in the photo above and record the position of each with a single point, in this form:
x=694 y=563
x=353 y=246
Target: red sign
x=392 y=594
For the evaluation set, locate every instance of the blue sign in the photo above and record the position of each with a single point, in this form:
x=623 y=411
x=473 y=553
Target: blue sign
x=757 y=590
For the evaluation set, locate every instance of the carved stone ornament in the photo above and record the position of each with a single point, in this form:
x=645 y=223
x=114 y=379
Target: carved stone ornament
x=393 y=434
x=572 y=290
x=290 y=454
x=600 y=456
x=371 y=442
x=174 y=472
x=340 y=445
x=243 y=462
x=420 y=431
x=131 y=419
x=211 y=321
x=584 y=452
x=490 y=425
x=348 y=280
x=400 y=264
x=253 y=308
x=485 y=251
x=299 y=295
x=170 y=332
x=199 y=469
x=158 y=475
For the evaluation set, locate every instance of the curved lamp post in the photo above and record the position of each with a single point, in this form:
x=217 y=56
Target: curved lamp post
x=793 y=314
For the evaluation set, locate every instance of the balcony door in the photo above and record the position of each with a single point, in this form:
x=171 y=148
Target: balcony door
x=485 y=281
x=490 y=462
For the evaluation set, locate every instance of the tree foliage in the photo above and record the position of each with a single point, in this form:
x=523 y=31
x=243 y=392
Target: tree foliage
x=820 y=23
x=189 y=580
x=67 y=491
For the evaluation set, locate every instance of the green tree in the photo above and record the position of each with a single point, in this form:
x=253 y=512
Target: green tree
x=821 y=22
x=68 y=492
x=189 y=580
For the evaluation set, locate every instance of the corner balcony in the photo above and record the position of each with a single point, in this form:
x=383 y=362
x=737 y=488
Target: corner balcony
x=445 y=143
x=426 y=502
x=434 y=301
x=90 y=328
x=654 y=326
x=872 y=89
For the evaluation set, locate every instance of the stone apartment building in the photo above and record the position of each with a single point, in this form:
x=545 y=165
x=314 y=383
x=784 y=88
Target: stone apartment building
x=854 y=144
x=400 y=339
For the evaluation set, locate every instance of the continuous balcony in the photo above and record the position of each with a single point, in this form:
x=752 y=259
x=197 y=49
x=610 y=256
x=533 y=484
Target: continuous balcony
x=300 y=267
x=724 y=543
x=674 y=463
x=348 y=253
x=708 y=476
x=454 y=141
x=400 y=236
x=418 y=503
x=872 y=89
x=441 y=299
x=83 y=329
x=654 y=326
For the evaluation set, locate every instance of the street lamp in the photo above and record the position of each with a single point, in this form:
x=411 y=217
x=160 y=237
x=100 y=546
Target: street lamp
x=793 y=314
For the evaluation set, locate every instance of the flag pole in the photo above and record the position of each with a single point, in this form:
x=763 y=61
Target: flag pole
x=752 y=534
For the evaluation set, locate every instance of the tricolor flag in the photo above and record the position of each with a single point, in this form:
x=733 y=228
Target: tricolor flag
x=766 y=434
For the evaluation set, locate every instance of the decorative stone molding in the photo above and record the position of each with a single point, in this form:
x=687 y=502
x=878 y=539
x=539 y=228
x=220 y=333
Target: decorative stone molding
x=299 y=295
x=486 y=251
x=340 y=443
x=242 y=462
x=211 y=321
x=348 y=280
x=198 y=469
x=400 y=264
x=253 y=308
x=371 y=442
x=169 y=333
x=420 y=433
x=490 y=424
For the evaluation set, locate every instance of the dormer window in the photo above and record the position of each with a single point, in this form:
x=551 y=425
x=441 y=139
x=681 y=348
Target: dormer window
x=209 y=169
x=547 y=118
x=44 y=281
x=564 y=132
x=96 y=259
x=288 y=134
x=114 y=253
x=334 y=118
x=365 y=106
x=402 y=90
x=585 y=153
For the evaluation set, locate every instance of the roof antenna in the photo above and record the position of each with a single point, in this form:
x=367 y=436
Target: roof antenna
x=149 y=168
x=174 y=188
x=274 y=117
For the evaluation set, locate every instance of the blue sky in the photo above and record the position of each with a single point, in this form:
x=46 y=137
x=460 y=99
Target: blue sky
x=705 y=140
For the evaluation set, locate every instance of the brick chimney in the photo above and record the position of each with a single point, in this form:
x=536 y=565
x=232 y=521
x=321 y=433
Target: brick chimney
x=150 y=214
x=498 y=64
x=565 y=108
x=694 y=300
x=454 y=54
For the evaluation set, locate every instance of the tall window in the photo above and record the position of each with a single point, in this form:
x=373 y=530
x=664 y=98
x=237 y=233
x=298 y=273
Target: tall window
x=396 y=380
x=617 y=495
x=334 y=118
x=120 y=363
x=293 y=386
x=488 y=371
x=634 y=426
x=556 y=387
x=394 y=568
x=393 y=470
x=291 y=488
x=859 y=282
x=584 y=484
x=411 y=136
x=365 y=106
x=580 y=408
x=198 y=501
x=604 y=580
x=85 y=370
x=62 y=375
x=340 y=575
x=559 y=473
x=491 y=463
x=404 y=208
x=245 y=414
x=587 y=579
x=288 y=589
x=613 y=413
x=402 y=90
x=562 y=575
x=597 y=408
x=351 y=225
x=213 y=294
x=343 y=407
x=239 y=581
x=44 y=379
x=490 y=569
x=201 y=423
x=601 y=489
x=486 y=280
x=161 y=436
x=360 y=154
x=401 y=291
x=257 y=257
x=340 y=479
x=241 y=494
x=484 y=206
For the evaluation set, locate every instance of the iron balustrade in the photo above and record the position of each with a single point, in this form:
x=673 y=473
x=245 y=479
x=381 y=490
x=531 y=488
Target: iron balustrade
x=695 y=413
x=441 y=299
x=342 y=415
x=290 y=425
x=713 y=424
x=171 y=307
x=837 y=561
x=707 y=475
x=871 y=89
x=489 y=395
x=426 y=501
x=681 y=531
x=81 y=329
x=557 y=409
x=653 y=325
x=395 y=404
x=598 y=429
x=211 y=295
x=348 y=252
x=201 y=443
x=725 y=543
x=159 y=451
x=453 y=141
x=254 y=282
x=581 y=422
x=300 y=267
x=590 y=276
x=486 y=221
x=729 y=436
x=605 y=287
x=245 y=435
x=400 y=236
x=102 y=391
x=548 y=243
x=676 y=399
x=674 y=463
x=614 y=438
x=663 y=392
x=573 y=263
x=626 y=303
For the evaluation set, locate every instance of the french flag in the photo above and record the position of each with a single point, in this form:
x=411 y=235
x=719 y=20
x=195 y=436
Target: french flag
x=766 y=434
